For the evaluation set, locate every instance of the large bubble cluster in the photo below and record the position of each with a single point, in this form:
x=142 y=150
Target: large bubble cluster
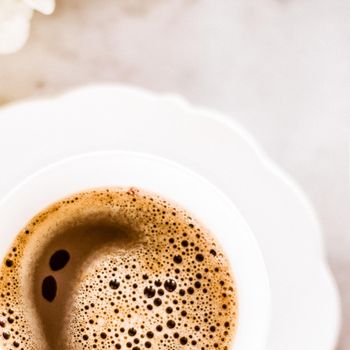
x=171 y=288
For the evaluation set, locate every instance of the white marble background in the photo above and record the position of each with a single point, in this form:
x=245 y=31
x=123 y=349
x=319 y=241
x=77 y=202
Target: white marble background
x=280 y=67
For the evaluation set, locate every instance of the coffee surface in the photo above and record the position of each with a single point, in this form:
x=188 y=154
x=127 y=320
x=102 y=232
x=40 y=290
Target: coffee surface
x=116 y=269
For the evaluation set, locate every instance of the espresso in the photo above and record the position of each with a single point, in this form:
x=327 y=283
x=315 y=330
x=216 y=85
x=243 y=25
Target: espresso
x=116 y=269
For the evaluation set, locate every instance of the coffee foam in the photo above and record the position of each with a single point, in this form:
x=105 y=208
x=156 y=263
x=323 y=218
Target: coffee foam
x=116 y=269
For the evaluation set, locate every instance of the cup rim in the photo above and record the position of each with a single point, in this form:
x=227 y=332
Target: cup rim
x=168 y=179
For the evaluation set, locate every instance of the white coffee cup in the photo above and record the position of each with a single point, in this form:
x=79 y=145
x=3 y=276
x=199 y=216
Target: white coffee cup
x=173 y=182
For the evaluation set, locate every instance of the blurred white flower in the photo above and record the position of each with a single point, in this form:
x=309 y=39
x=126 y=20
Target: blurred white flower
x=15 y=16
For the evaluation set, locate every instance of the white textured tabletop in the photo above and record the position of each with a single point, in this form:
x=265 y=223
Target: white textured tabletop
x=280 y=67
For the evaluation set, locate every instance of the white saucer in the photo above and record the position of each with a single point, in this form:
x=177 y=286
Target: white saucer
x=305 y=300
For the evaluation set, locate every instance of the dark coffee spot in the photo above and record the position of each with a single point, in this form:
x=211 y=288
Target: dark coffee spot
x=157 y=302
x=178 y=259
x=184 y=243
x=114 y=284
x=6 y=335
x=158 y=283
x=49 y=288
x=132 y=332
x=9 y=263
x=199 y=257
x=59 y=260
x=170 y=285
x=197 y=284
x=183 y=340
x=190 y=290
x=149 y=292
x=170 y=324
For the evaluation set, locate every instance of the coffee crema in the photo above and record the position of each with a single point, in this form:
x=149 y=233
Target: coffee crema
x=116 y=269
